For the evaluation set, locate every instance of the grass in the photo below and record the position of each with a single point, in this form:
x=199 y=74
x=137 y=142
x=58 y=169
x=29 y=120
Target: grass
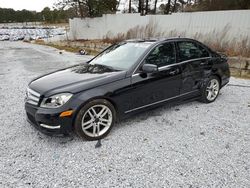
x=217 y=40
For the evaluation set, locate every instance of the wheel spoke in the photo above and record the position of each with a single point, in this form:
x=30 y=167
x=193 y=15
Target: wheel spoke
x=214 y=93
x=105 y=111
x=211 y=85
x=104 y=124
x=209 y=95
x=87 y=127
x=101 y=111
x=94 y=130
x=88 y=122
x=93 y=111
x=97 y=129
x=90 y=114
x=104 y=120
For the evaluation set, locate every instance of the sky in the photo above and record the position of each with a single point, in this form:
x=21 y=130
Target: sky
x=36 y=5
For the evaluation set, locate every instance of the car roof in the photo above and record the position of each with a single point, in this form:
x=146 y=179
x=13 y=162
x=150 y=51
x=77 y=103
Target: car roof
x=155 y=40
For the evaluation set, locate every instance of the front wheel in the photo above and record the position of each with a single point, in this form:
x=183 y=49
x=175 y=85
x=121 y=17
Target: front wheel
x=95 y=120
x=211 y=90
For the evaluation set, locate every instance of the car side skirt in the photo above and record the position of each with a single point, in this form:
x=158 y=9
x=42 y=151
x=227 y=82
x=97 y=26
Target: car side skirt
x=162 y=101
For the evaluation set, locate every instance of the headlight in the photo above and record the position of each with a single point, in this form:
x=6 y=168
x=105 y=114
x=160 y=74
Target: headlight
x=56 y=101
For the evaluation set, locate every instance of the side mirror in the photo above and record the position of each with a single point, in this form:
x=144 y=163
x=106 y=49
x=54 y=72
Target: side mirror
x=149 y=68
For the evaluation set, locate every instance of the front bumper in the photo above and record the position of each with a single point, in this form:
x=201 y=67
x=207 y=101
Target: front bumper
x=48 y=121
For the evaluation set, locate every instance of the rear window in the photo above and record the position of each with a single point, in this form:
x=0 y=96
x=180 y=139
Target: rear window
x=190 y=50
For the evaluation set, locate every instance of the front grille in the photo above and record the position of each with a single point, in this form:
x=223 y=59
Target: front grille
x=32 y=97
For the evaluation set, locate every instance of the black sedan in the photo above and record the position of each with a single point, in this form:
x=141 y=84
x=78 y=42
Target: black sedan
x=124 y=79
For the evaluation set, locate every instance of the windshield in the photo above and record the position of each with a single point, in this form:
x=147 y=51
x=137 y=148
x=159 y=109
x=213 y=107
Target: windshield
x=121 y=56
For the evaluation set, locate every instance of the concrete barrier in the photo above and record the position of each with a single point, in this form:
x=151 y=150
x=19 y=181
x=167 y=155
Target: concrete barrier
x=211 y=25
x=239 y=66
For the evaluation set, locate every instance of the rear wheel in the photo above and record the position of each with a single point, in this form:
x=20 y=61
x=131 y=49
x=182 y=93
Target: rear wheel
x=95 y=120
x=211 y=90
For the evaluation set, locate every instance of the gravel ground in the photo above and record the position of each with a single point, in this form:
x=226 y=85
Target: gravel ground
x=187 y=145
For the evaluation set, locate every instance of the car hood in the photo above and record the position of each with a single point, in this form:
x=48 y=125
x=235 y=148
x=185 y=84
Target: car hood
x=75 y=79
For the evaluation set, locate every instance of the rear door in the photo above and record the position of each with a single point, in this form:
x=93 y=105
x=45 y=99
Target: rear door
x=196 y=63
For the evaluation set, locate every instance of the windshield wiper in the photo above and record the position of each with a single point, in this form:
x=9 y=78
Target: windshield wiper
x=109 y=67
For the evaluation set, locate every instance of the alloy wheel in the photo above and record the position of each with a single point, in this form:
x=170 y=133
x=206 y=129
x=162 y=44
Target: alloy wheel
x=97 y=120
x=212 y=89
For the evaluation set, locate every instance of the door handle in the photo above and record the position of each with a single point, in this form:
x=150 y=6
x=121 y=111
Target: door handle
x=204 y=63
x=176 y=71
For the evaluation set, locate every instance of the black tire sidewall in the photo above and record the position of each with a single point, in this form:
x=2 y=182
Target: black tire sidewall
x=78 y=120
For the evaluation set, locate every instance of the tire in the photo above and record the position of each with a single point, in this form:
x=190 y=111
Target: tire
x=95 y=120
x=211 y=90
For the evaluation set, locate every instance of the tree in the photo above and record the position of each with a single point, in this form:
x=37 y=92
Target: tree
x=155 y=7
x=47 y=15
x=129 y=6
x=90 y=8
x=146 y=7
x=211 y=5
x=168 y=5
x=174 y=6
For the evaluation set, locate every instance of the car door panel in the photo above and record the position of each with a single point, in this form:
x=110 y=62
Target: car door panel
x=148 y=89
x=193 y=73
x=195 y=62
x=155 y=87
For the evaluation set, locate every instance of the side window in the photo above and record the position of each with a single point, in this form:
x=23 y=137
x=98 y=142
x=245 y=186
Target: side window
x=162 y=55
x=190 y=50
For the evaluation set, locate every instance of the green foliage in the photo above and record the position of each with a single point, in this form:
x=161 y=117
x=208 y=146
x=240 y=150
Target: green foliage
x=47 y=15
x=10 y=15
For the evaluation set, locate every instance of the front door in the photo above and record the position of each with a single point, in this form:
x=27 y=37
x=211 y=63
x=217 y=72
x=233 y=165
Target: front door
x=153 y=88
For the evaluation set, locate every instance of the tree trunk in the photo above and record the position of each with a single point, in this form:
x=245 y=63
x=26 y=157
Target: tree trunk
x=142 y=7
x=155 y=6
x=129 y=6
x=168 y=5
x=80 y=8
x=90 y=8
x=146 y=8
x=139 y=6
x=174 y=7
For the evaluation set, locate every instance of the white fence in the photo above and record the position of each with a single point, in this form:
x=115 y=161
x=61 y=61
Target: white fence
x=216 y=25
